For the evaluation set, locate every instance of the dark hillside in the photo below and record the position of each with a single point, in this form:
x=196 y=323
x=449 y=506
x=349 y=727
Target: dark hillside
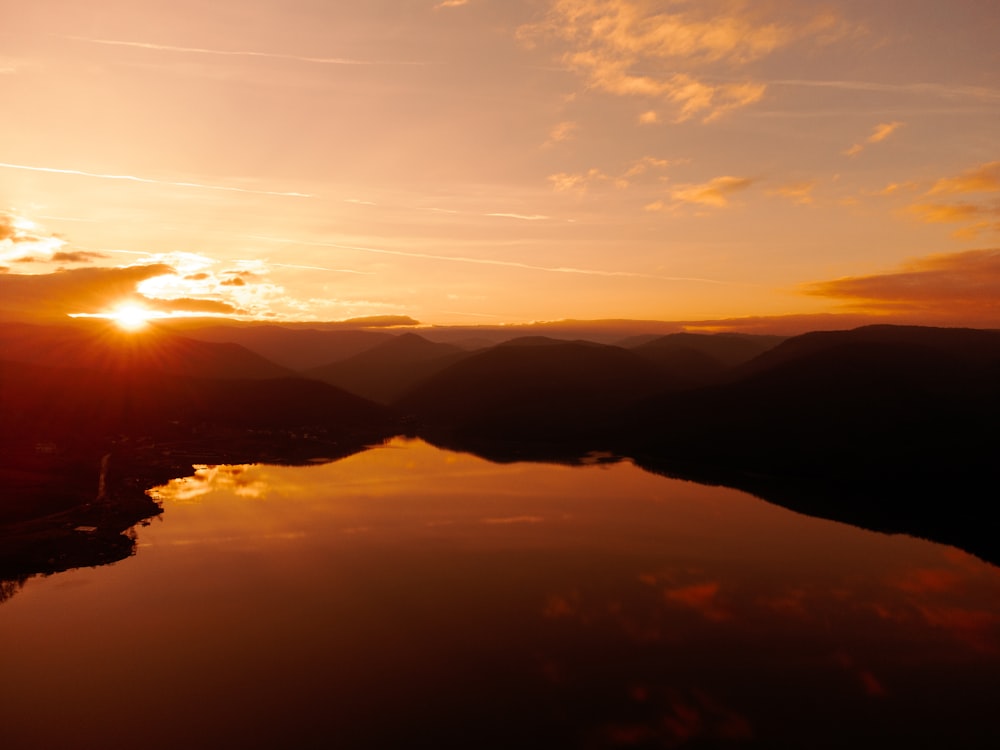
x=388 y=370
x=889 y=434
x=533 y=390
x=103 y=348
x=294 y=348
x=729 y=349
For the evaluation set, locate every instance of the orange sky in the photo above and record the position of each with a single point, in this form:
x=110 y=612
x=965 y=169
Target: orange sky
x=492 y=161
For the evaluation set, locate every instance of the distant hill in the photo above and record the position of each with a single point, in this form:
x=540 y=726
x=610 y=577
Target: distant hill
x=889 y=428
x=967 y=345
x=294 y=348
x=889 y=390
x=386 y=371
x=892 y=428
x=84 y=404
x=729 y=349
x=104 y=348
x=532 y=389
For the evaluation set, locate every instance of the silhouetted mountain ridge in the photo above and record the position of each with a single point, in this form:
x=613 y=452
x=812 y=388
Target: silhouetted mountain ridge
x=892 y=428
x=294 y=348
x=102 y=347
x=386 y=371
x=532 y=389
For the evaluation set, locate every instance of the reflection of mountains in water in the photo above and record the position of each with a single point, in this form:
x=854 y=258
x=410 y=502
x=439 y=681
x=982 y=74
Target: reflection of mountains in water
x=891 y=428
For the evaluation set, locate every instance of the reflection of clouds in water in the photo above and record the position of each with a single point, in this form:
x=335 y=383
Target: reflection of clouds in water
x=240 y=480
x=701 y=597
x=513 y=519
x=242 y=541
x=870 y=684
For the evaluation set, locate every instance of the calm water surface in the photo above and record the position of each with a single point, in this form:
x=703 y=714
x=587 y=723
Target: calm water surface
x=413 y=597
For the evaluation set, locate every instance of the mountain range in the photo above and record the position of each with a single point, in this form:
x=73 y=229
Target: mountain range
x=893 y=428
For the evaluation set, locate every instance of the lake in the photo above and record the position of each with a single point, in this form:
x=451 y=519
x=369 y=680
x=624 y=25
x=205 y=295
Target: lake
x=409 y=596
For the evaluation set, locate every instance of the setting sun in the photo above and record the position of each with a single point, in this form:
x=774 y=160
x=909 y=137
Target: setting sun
x=131 y=317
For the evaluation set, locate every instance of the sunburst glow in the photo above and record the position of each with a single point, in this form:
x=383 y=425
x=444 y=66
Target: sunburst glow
x=131 y=317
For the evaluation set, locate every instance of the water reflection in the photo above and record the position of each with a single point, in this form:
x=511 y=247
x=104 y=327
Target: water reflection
x=409 y=596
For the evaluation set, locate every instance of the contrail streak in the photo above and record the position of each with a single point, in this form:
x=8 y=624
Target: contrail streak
x=322 y=268
x=148 y=180
x=523 y=217
x=491 y=261
x=238 y=53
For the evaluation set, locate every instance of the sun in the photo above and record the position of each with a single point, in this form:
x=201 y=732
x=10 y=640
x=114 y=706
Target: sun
x=130 y=316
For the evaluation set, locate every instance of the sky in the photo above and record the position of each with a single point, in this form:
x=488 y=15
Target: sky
x=502 y=161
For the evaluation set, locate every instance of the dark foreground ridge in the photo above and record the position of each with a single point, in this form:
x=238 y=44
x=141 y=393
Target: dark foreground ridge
x=890 y=428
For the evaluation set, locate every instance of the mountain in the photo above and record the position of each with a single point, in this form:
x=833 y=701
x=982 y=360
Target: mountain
x=727 y=349
x=294 y=348
x=967 y=345
x=86 y=404
x=104 y=348
x=865 y=393
x=889 y=428
x=532 y=389
x=386 y=371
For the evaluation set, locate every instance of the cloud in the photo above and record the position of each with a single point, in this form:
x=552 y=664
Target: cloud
x=894 y=187
x=978 y=93
x=979 y=215
x=941 y=213
x=799 y=193
x=882 y=131
x=379 y=321
x=978 y=218
x=191 y=305
x=580 y=181
x=612 y=42
x=78 y=256
x=982 y=179
x=963 y=285
x=564 y=181
x=715 y=192
x=649 y=117
x=23 y=241
x=563 y=131
x=79 y=290
x=451 y=4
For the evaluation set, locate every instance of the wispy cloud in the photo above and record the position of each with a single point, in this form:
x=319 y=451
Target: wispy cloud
x=23 y=241
x=800 y=193
x=978 y=213
x=880 y=133
x=716 y=192
x=979 y=93
x=951 y=284
x=580 y=181
x=607 y=41
x=238 y=53
x=451 y=4
x=560 y=132
x=982 y=179
x=152 y=181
